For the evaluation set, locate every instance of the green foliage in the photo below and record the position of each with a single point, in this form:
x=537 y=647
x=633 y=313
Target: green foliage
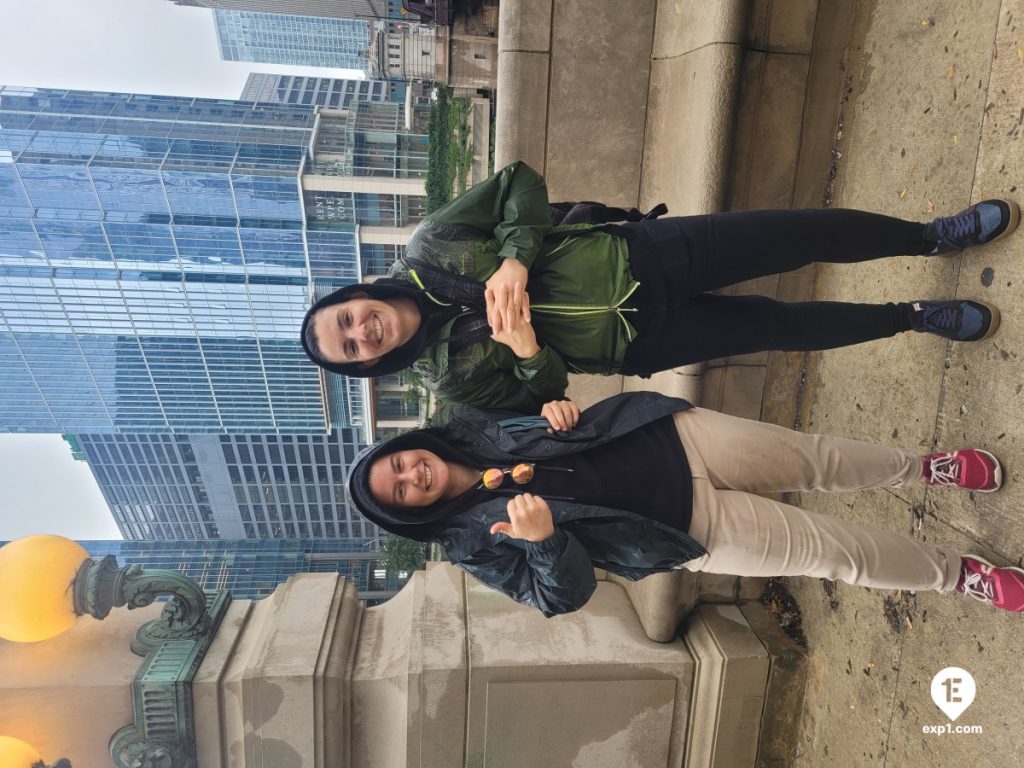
x=418 y=389
x=440 y=416
x=450 y=151
x=398 y=554
x=439 y=137
x=490 y=151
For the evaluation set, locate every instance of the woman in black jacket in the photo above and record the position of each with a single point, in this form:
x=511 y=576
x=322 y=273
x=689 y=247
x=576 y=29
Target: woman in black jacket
x=642 y=483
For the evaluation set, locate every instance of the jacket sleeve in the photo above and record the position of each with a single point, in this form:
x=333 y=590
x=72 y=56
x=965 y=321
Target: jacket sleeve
x=511 y=206
x=523 y=388
x=555 y=575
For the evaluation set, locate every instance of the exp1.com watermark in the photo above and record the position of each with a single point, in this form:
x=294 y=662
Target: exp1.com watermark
x=953 y=691
x=950 y=728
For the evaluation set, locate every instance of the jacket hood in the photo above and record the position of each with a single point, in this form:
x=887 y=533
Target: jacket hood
x=397 y=359
x=420 y=523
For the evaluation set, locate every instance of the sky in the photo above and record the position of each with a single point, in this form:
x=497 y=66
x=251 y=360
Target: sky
x=138 y=46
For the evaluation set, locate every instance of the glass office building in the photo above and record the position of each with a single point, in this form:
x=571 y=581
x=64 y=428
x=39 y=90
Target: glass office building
x=227 y=486
x=371 y=167
x=330 y=92
x=279 y=38
x=339 y=9
x=254 y=569
x=155 y=263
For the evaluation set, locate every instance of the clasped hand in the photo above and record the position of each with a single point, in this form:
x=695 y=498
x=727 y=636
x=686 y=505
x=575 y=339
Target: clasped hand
x=508 y=313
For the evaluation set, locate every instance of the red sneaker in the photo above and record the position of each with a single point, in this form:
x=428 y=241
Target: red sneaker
x=971 y=468
x=1002 y=587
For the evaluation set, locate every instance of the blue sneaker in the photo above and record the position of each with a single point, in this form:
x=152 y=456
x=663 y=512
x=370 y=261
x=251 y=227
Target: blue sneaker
x=956 y=320
x=983 y=222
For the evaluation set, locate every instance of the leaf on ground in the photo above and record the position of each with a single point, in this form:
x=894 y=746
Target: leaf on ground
x=903 y=193
x=781 y=604
x=930 y=208
x=951 y=72
x=956 y=139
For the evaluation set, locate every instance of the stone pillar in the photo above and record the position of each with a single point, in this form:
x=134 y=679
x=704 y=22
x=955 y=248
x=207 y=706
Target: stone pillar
x=446 y=673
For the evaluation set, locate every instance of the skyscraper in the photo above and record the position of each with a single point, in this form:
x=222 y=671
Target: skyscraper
x=331 y=92
x=157 y=255
x=227 y=486
x=370 y=168
x=277 y=38
x=253 y=569
x=338 y=9
x=155 y=263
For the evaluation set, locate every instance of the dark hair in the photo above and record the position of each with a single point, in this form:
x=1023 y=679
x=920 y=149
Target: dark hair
x=310 y=340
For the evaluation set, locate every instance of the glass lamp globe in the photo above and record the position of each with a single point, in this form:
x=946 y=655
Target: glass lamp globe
x=15 y=753
x=37 y=598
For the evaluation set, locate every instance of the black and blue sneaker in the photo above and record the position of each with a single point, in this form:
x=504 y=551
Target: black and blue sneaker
x=956 y=320
x=983 y=222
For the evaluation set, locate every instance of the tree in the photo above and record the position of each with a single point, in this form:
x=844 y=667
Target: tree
x=398 y=554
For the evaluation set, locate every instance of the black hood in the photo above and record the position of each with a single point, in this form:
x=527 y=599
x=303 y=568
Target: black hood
x=395 y=360
x=420 y=523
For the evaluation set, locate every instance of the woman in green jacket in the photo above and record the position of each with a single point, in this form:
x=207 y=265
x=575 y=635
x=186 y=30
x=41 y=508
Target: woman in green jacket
x=493 y=305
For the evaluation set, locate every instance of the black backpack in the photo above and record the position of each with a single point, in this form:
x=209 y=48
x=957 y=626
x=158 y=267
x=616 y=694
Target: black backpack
x=590 y=212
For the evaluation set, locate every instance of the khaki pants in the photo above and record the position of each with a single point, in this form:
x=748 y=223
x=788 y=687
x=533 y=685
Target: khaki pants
x=733 y=459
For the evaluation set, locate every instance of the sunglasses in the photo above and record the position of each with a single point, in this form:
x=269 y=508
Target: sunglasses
x=521 y=474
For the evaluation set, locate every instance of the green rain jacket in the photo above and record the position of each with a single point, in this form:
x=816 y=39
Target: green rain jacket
x=578 y=285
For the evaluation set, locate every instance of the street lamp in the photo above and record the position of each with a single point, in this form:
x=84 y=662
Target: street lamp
x=49 y=581
x=37 y=599
x=15 y=753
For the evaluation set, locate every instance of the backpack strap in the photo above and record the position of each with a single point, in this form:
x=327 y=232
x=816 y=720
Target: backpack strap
x=591 y=212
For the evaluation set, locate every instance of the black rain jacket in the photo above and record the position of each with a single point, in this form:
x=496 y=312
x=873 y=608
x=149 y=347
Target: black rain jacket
x=555 y=575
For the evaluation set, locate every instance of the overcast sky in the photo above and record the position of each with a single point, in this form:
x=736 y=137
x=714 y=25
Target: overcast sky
x=138 y=46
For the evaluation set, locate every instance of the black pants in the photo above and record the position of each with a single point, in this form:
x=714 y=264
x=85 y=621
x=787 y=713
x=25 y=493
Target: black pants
x=678 y=260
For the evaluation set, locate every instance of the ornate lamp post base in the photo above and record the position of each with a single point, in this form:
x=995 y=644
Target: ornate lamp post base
x=101 y=584
x=173 y=646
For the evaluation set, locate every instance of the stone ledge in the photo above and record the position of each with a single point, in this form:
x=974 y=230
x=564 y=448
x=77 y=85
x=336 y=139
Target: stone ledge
x=686 y=161
x=687 y=26
x=521 y=120
x=729 y=688
x=524 y=25
x=784 y=695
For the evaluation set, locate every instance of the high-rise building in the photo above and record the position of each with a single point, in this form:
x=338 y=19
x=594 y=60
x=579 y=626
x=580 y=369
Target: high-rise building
x=277 y=38
x=370 y=168
x=338 y=9
x=157 y=255
x=155 y=263
x=331 y=92
x=253 y=569
x=227 y=486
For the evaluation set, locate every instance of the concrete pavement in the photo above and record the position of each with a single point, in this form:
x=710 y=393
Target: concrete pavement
x=931 y=120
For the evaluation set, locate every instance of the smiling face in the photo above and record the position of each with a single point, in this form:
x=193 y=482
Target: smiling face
x=414 y=478
x=362 y=330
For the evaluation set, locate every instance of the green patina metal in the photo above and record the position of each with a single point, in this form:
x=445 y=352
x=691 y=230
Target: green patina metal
x=173 y=646
x=163 y=734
